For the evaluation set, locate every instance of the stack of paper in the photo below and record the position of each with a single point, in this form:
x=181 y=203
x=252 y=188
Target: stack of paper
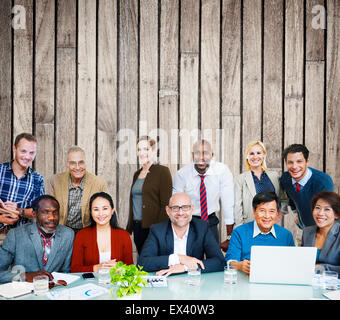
x=15 y=289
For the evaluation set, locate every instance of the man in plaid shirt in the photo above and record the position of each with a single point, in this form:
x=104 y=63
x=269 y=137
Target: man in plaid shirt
x=19 y=184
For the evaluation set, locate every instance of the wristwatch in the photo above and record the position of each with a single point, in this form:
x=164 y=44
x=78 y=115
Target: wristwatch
x=228 y=237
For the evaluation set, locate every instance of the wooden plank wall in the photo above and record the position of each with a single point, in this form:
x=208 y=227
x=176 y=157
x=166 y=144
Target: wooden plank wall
x=98 y=73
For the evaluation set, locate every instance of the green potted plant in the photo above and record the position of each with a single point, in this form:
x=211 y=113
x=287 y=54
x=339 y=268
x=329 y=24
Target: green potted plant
x=129 y=278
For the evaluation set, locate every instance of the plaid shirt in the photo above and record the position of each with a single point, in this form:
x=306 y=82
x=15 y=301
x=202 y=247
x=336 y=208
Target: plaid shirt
x=22 y=191
x=74 y=205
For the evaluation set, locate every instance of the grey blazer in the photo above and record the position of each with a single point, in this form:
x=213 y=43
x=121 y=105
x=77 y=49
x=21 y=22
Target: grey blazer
x=329 y=257
x=245 y=192
x=23 y=246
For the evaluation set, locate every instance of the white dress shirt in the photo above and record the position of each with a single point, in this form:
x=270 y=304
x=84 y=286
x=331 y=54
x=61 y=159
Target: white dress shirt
x=180 y=247
x=219 y=186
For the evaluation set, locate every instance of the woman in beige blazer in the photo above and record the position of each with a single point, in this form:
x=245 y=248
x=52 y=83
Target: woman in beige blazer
x=245 y=187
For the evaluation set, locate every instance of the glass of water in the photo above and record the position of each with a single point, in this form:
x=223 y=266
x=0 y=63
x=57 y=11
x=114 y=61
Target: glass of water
x=104 y=276
x=40 y=285
x=194 y=277
x=330 y=280
x=230 y=275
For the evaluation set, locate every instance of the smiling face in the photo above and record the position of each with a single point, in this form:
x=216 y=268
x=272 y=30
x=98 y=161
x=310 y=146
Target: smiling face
x=24 y=153
x=76 y=164
x=202 y=155
x=101 y=211
x=255 y=156
x=182 y=217
x=323 y=214
x=265 y=215
x=145 y=152
x=47 y=216
x=297 y=165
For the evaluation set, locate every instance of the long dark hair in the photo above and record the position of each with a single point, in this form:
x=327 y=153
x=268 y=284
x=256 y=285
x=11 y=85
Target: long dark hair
x=113 y=220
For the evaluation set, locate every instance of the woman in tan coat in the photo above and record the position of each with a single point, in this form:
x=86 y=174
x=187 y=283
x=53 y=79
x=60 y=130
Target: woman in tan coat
x=150 y=192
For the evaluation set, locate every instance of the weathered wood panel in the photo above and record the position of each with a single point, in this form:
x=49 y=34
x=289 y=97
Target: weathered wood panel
x=107 y=93
x=294 y=61
x=5 y=82
x=189 y=82
x=65 y=111
x=44 y=85
x=148 y=82
x=210 y=71
x=333 y=92
x=128 y=102
x=86 y=108
x=272 y=82
x=168 y=79
x=252 y=77
x=23 y=71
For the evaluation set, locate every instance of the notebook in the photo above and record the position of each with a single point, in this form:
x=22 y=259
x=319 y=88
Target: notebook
x=282 y=265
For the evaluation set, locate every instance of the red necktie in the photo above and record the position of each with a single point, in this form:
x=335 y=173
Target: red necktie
x=297 y=187
x=203 y=200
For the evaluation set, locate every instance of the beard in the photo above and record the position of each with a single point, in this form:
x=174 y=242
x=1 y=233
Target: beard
x=201 y=171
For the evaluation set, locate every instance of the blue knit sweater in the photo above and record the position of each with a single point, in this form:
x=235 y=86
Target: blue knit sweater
x=242 y=240
x=319 y=181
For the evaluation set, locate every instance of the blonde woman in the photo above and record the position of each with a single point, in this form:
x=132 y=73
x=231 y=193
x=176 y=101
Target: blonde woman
x=256 y=179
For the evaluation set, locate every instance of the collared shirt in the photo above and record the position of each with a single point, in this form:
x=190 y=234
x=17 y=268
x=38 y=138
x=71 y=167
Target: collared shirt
x=257 y=230
x=47 y=244
x=304 y=180
x=75 y=193
x=262 y=184
x=219 y=186
x=180 y=247
x=22 y=191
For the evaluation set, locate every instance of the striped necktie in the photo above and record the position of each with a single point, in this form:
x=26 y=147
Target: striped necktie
x=203 y=200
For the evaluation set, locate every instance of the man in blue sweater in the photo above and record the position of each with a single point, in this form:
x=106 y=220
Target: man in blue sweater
x=261 y=232
x=301 y=183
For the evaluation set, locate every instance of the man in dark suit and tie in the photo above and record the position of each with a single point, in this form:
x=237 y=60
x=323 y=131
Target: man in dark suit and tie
x=40 y=247
x=180 y=243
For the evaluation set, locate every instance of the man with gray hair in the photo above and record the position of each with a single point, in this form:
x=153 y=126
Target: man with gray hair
x=73 y=189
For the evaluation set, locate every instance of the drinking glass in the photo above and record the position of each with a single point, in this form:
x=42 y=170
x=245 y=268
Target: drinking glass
x=230 y=275
x=40 y=285
x=104 y=276
x=194 y=277
x=330 y=280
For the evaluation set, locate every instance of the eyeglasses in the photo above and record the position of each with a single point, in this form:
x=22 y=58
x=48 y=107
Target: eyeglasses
x=184 y=208
x=75 y=164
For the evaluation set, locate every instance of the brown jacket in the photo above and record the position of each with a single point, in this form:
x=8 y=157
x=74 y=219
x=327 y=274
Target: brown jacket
x=157 y=190
x=58 y=186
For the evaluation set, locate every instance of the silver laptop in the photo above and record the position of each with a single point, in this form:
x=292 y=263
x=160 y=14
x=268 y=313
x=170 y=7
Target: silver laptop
x=283 y=265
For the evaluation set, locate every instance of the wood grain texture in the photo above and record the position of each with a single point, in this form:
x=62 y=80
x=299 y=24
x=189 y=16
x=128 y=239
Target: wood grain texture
x=65 y=117
x=128 y=100
x=44 y=85
x=107 y=93
x=231 y=84
x=168 y=93
x=148 y=82
x=5 y=83
x=86 y=109
x=252 y=61
x=314 y=112
x=294 y=60
x=272 y=82
x=333 y=92
x=210 y=70
x=23 y=73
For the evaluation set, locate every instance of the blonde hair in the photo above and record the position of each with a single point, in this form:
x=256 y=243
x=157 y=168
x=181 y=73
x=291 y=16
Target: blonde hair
x=249 y=146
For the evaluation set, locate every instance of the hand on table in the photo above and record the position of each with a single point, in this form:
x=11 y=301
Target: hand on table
x=107 y=264
x=190 y=262
x=243 y=266
x=30 y=275
x=177 y=268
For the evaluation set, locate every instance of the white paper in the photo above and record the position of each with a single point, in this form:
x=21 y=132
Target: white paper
x=69 y=278
x=156 y=281
x=333 y=295
x=83 y=292
x=15 y=289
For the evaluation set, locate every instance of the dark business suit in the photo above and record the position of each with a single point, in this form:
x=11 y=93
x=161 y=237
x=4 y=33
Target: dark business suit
x=156 y=192
x=201 y=244
x=23 y=246
x=329 y=256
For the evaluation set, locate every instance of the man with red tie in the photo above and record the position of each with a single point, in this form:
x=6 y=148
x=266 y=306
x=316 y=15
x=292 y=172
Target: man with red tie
x=301 y=183
x=208 y=182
